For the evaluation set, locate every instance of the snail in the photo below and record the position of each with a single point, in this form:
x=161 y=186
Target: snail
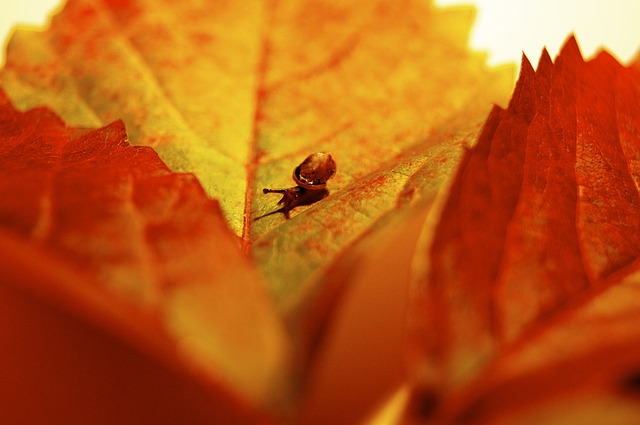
x=311 y=177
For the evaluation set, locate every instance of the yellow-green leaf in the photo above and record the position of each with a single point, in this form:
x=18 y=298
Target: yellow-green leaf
x=240 y=92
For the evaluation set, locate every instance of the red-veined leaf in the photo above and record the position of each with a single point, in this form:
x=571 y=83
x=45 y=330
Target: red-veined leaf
x=543 y=214
x=105 y=227
x=240 y=92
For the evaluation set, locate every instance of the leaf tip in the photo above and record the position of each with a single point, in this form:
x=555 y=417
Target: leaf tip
x=525 y=81
x=545 y=60
x=570 y=49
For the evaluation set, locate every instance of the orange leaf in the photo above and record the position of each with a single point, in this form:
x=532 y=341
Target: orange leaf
x=240 y=92
x=108 y=231
x=524 y=285
x=359 y=355
x=522 y=305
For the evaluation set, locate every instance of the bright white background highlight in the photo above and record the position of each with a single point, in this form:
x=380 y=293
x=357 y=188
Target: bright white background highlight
x=503 y=28
x=506 y=28
x=25 y=12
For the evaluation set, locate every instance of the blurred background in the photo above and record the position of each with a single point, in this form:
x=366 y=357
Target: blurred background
x=503 y=28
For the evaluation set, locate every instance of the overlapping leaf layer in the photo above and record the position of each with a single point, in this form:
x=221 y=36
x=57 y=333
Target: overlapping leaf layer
x=522 y=249
x=536 y=246
x=106 y=226
x=239 y=93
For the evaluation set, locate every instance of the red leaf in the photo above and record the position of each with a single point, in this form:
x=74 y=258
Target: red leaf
x=105 y=230
x=543 y=216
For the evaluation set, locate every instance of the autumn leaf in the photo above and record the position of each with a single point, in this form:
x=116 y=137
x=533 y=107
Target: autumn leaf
x=510 y=249
x=367 y=300
x=108 y=231
x=240 y=93
x=527 y=304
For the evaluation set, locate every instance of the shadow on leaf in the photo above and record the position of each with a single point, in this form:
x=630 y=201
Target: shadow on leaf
x=294 y=197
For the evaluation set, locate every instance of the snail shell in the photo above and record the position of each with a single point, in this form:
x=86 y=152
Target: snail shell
x=314 y=172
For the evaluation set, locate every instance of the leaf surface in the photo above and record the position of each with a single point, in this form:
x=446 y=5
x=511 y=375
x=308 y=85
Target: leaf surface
x=525 y=296
x=240 y=93
x=367 y=326
x=525 y=266
x=139 y=244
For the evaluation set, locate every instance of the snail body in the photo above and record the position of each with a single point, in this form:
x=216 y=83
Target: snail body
x=311 y=177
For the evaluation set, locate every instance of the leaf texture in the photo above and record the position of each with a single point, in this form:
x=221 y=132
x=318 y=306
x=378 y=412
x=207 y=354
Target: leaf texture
x=240 y=93
x=139 y=243
x=493 y=269
x=521 y=295
x=367 y=326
